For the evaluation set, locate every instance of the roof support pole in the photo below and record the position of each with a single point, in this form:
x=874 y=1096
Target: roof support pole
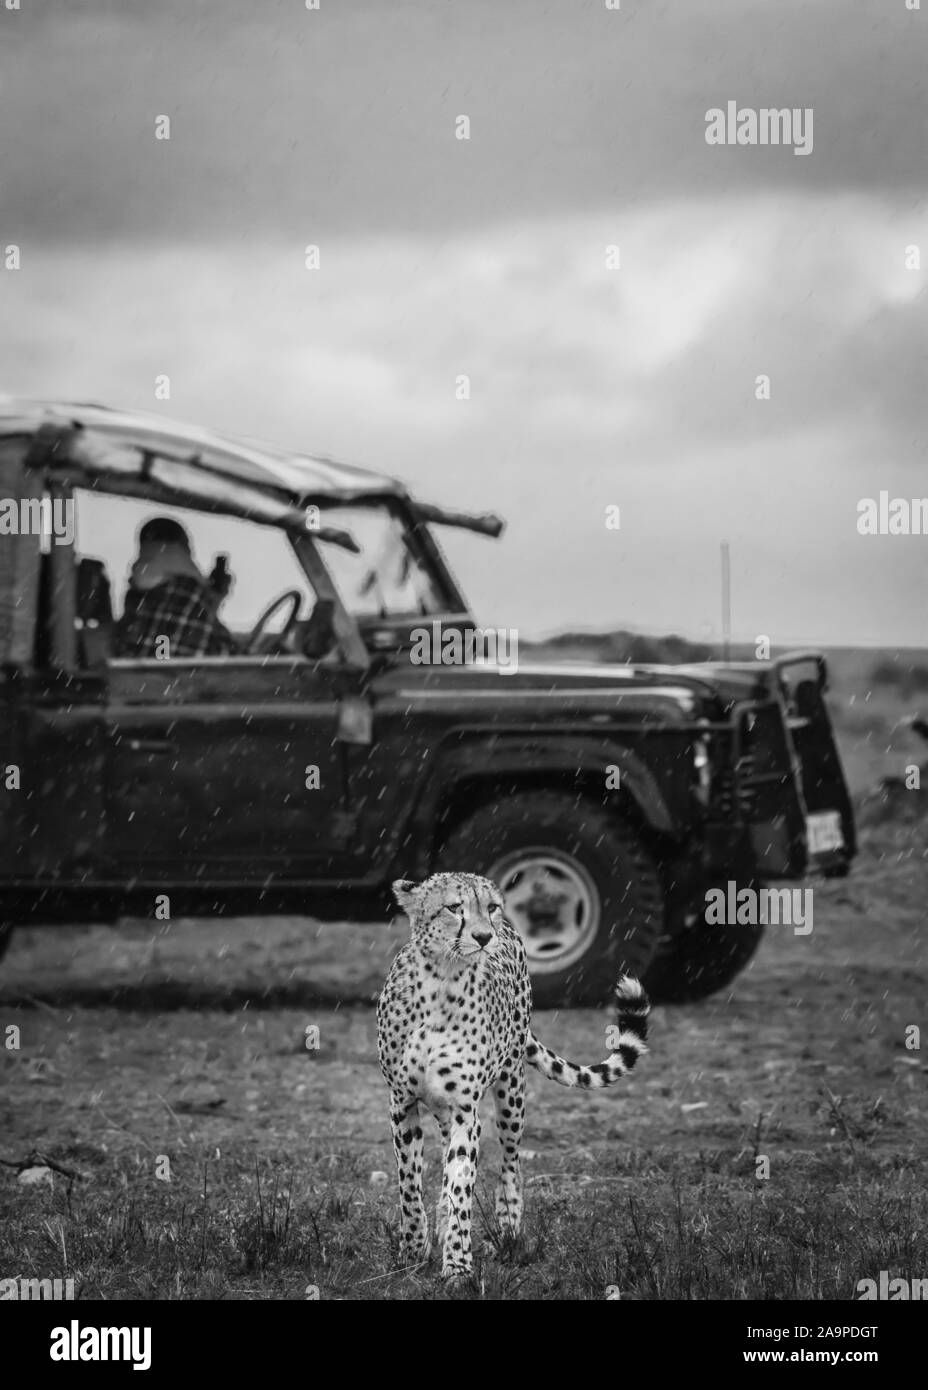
x=346 y=629
x=62 y=592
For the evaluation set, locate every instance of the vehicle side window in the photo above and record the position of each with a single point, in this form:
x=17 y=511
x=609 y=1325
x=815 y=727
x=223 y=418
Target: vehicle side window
x=205 y=578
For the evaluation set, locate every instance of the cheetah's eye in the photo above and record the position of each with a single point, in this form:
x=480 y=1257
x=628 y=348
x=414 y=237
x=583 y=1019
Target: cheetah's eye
x=494 y=907
x=454 y=907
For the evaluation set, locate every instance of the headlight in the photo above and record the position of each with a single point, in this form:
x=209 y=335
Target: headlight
x=703 y=769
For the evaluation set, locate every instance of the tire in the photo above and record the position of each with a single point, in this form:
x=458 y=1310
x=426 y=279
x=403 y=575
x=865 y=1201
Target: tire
x=579 y=886
x=698 y=958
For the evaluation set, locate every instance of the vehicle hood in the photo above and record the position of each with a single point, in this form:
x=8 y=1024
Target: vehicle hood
x=672 y=693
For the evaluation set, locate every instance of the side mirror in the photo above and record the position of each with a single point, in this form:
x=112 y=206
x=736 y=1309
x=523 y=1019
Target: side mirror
x=355 y=720
x=318 y=632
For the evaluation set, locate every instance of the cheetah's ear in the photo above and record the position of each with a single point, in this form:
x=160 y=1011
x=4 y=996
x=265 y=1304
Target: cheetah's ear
x=406 y=893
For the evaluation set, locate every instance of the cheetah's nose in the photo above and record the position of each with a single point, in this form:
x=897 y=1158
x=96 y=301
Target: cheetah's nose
x=482 y=937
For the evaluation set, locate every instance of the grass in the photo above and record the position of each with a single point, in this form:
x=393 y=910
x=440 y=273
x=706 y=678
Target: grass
x=659 y=1226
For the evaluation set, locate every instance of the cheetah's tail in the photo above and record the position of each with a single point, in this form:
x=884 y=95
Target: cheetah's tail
x=628 y=1042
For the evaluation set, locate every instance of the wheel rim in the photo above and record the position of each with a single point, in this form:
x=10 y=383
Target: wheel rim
x=552 y=902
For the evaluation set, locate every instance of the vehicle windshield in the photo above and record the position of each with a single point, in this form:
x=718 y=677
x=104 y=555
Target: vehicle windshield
x=386 y=579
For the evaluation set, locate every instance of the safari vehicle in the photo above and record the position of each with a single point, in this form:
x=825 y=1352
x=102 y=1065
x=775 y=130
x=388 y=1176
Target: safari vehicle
x=319 y=761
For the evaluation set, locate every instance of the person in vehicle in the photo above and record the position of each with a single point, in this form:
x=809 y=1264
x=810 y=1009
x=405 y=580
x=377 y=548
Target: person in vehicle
x=168 y=597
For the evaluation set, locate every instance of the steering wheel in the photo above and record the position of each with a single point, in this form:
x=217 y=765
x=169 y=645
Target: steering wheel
x=253 y=641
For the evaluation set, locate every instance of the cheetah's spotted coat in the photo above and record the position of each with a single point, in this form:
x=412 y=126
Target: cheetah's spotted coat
x=453 y=1021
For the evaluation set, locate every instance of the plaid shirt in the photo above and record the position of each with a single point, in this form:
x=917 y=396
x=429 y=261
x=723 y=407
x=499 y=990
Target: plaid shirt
x=182 y=610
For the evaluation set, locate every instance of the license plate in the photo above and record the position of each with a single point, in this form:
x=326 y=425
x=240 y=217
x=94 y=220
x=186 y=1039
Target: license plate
x=823 y=832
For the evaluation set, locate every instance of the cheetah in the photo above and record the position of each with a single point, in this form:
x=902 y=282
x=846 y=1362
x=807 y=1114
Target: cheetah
x=453 y=1023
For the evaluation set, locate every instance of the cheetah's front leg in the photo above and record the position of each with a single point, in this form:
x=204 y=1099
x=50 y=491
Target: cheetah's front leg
x=442 y=1206
x=460 y=1178
x=407 y=1145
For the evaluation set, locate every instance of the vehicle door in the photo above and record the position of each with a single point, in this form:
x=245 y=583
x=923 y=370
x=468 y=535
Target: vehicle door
x=219 y=769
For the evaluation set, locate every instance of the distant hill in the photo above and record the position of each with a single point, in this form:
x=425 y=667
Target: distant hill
x=622 y=646
x=905 y=668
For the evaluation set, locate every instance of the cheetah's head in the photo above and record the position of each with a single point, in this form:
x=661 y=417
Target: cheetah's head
x=454 y=917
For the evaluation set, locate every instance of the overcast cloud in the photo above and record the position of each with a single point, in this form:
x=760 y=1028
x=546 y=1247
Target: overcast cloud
x=439 y=257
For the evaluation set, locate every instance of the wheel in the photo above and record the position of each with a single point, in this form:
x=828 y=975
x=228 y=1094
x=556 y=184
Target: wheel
x=697 y=958
x=6 y=933
x=580 y=887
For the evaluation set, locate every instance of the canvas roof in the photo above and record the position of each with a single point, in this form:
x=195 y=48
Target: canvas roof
x=115 y=443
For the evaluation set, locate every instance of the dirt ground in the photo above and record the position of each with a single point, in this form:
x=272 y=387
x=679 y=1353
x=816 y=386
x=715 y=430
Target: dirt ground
x=136 y=1044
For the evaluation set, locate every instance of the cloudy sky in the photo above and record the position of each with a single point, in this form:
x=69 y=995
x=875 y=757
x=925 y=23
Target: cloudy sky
x=440 y=257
